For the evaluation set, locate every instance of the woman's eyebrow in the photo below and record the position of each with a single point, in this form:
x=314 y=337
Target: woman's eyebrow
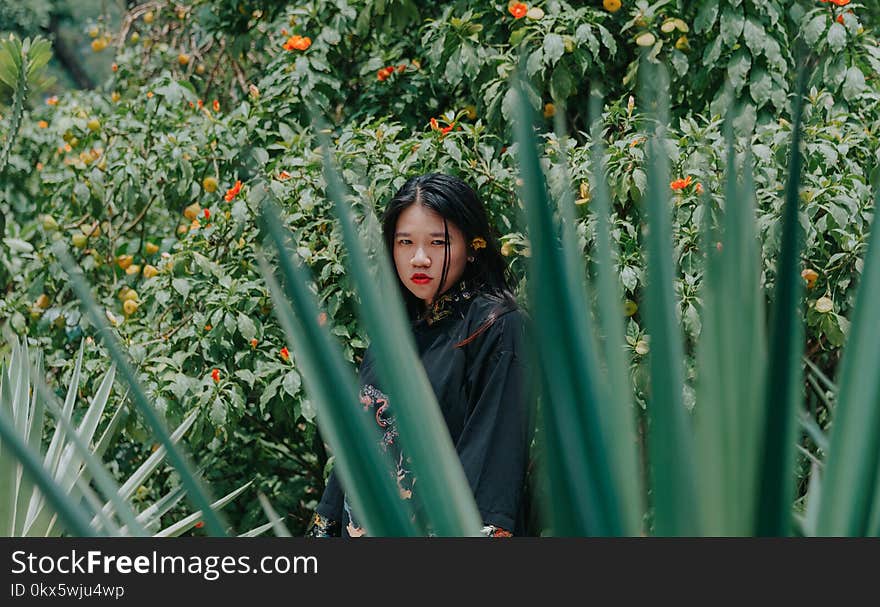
x=432 y=234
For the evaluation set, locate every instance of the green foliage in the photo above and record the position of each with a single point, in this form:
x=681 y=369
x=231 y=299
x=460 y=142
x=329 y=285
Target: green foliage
x=122 y=189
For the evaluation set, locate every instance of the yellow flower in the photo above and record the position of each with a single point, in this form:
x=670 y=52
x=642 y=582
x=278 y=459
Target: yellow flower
x=478 y=243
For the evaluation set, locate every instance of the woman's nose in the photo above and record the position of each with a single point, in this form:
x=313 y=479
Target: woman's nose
x=420 y=259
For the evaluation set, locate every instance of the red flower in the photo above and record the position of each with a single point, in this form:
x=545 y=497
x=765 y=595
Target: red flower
x=232 y=192
x=215 y=375
x=434 y=125
x=201 y=104
x=680 y=184
x=284 y=353
x=283 y=176
x=446 y=129
x=254 y=343
x=200 y=524
x=207 y=214
x=518 y=10
x=216 y=105
x=322 y=319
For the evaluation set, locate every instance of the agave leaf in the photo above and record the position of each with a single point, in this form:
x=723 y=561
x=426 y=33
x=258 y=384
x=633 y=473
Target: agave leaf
x=585 y=499
x=196 y=492
x=852 y=478
x=331 y=386
x=620 y=410
x=782 y=390
x=444 y=493
x=70 y=513
x=138 y=477
x=731 y=360
x=151 y=515
x=187 y=523
x=9 y=466
x=257 y=530
x=79 y=441
x=670 y=439
x=277 y=523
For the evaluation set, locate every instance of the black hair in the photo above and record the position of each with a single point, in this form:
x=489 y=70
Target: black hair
x=457 y=203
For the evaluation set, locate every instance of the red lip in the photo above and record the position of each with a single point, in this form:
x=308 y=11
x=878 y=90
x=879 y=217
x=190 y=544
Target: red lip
x=421 y=279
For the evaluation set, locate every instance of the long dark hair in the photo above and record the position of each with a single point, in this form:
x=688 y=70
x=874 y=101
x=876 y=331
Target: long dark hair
x=456 y=203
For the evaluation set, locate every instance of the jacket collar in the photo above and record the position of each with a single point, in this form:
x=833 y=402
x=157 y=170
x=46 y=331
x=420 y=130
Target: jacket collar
x=458 y=296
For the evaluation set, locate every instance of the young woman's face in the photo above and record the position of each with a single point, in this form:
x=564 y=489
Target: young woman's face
x=419 y=249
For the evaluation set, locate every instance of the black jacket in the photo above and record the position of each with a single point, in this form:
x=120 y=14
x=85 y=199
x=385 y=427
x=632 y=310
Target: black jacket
x=484 y=392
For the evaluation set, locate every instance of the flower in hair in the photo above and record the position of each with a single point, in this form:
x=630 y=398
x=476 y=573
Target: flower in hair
x=478 y=243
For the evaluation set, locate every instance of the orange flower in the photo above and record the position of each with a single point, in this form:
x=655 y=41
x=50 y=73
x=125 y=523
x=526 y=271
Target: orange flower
x=200 y=103
x=192 y=105
x=39 y=166
x=149 y=94
x=297 y=43
x=284 y=353
x=680 y=184
x=114 y=67
x=232 y=192
x=215 y=375
x=401 y=68
x=434 y=125
x=216 y=105
x=283 y=176
x=518 y=10
x=322 y=319
x=53 y=100
x=254 y=343
x=384 y=73
x=208 y=327
x=446 y=129
x=199 y=525
x=699 y=188
x=43 y=124
x=207 y=214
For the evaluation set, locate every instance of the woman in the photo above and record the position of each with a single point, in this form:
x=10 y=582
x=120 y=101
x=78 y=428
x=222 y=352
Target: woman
x=469 y=336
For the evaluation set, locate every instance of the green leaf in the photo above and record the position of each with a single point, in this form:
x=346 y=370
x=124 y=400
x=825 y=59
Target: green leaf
x=760 y=86
x=814 y=28
x=738 y=68
x=754 y=35
x=836 y=37
x=732 y=22
x=246 y=327
x=554 y=48
x=706 y=16
x=854 y=84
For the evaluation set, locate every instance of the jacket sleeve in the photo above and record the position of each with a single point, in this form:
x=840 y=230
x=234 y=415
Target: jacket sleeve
x=327 y=518
x=493 y=445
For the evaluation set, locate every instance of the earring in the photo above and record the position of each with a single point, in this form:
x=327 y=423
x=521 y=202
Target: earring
x=470 y=258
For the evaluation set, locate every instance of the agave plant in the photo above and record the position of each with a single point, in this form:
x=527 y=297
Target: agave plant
x=48 y=496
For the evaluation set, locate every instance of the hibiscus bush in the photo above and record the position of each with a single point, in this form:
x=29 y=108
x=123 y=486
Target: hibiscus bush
x=153 y=180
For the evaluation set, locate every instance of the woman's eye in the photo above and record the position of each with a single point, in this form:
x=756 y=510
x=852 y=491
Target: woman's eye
x=404 y=241
x=439 y=242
